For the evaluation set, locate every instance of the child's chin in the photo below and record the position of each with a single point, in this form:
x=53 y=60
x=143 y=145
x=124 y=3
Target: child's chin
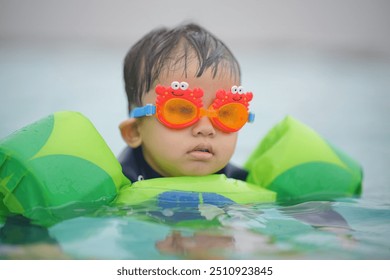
x=201 y=172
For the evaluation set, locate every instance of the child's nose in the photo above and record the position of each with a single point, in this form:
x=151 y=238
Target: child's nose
x=203 y=127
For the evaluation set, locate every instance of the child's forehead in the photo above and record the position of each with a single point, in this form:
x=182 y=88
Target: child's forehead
x=225 y=78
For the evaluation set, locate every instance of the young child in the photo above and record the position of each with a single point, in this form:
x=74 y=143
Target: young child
x=175 y=81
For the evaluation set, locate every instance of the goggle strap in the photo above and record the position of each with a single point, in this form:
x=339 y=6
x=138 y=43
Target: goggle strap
x=251 y=117
x=147 y=110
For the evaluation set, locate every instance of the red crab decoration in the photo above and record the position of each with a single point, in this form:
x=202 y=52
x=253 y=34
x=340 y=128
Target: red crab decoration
x=236 y=94
x=180 y=90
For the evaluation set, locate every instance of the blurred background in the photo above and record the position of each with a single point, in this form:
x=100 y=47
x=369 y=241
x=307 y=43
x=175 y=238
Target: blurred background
x=327 y=63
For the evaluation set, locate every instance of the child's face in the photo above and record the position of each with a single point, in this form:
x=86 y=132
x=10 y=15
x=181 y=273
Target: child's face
x=200 y=149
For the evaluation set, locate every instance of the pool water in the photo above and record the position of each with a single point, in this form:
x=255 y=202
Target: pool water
x=344 y=98
x=343 y=229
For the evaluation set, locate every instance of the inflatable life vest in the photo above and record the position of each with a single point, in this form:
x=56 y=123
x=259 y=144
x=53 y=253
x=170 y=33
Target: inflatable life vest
x=60 y=167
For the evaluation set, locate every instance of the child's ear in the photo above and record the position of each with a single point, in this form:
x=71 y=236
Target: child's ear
x=130 y=132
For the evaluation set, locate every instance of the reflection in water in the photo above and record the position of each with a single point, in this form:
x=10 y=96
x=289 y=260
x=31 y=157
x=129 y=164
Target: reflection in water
x=201 y=245
x=19 y=239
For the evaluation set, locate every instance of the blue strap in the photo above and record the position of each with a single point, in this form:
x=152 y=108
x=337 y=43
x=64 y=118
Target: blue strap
x=251 y=117
x=147 y=110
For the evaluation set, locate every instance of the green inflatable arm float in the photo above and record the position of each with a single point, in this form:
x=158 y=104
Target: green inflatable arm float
x=57 y=168
x=298 y=164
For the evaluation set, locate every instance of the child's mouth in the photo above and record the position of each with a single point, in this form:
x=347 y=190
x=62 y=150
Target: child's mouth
x=201 y=152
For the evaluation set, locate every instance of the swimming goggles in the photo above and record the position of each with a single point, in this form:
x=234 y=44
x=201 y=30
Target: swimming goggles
x=178 y=106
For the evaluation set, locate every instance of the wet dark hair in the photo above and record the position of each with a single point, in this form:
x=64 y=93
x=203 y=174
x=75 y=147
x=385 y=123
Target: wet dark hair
x=161 y=48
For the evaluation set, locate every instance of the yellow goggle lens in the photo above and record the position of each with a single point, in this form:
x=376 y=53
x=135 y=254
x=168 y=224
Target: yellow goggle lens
x=233 y=115
x=178 y=111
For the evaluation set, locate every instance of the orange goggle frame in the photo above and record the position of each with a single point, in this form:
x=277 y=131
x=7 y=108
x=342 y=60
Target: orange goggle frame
x=178 y=107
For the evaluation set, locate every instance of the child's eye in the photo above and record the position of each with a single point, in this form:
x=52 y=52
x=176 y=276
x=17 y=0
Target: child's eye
x=240 y=89
x=175 y=85
x=183 y=85
x=186 y=110
x=234 y=89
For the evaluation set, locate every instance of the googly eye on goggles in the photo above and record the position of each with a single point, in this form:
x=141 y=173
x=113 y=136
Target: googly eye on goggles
x=178 y=106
